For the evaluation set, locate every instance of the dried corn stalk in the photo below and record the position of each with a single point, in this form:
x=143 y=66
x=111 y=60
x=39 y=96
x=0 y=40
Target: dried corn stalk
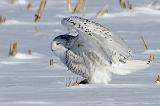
x=13 y=49
x=144 y=43
x=122 y=4
x=30 y=52
x=69 y=6
x=2 y=19
x=151 y=58
x=129 y=5
x=40 y=11
x=102 y=12
x=79 y=8
x=51 y=62
x=151 y=55
x=158 y=79
x=29 y=6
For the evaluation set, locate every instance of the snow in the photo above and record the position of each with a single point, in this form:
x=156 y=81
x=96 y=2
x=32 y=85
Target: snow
x=30 y=81
x=152 y=51
x=27 y=56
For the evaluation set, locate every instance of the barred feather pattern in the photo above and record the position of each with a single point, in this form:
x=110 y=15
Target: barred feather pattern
x=82 y=64
x=76 y=64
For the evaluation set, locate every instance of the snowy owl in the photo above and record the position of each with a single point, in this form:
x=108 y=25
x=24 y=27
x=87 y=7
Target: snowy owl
x=94 y=52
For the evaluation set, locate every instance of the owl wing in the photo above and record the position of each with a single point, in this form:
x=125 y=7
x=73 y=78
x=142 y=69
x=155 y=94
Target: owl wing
x=97 y=38
x=77 y=64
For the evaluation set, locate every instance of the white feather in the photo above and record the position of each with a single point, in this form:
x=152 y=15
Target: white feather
x=129 y=67
x=96 y=52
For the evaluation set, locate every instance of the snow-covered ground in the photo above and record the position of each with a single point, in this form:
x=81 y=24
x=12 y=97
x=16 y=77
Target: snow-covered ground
x=29 y=80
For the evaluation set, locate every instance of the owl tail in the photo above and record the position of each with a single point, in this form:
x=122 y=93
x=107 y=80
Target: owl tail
x=129 y=67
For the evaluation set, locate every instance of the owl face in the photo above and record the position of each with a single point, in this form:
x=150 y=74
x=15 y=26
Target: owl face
x=61 y=43
x=56 y=45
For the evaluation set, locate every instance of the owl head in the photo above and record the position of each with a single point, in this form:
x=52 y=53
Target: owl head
x=62 y=43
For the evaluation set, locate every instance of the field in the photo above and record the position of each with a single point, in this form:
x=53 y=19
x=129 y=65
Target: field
x=29 y=80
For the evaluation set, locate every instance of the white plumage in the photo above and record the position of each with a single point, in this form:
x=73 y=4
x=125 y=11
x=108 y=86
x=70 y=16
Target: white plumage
x=94 y=53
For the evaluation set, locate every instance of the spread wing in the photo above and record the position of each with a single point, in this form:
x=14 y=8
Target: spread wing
x=95 y=37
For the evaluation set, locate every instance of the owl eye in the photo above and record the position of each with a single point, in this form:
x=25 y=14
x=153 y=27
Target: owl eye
x=58 y=43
